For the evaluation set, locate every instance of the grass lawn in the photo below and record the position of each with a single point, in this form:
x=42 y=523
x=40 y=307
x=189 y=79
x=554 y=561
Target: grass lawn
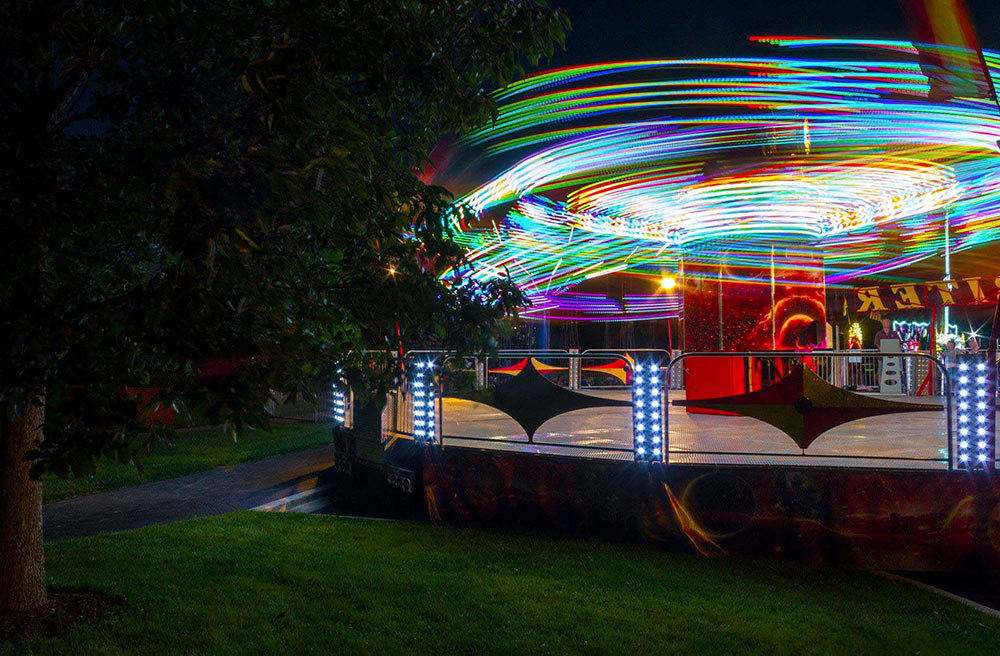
x=298 y=584
x=193 y=451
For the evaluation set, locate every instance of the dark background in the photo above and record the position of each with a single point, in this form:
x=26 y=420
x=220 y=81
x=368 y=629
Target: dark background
x=648 y=29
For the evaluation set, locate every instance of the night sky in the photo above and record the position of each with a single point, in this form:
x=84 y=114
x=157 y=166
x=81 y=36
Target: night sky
x=649 y=29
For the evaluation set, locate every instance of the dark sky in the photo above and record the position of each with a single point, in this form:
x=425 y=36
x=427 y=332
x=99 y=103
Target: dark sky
x=606 y=30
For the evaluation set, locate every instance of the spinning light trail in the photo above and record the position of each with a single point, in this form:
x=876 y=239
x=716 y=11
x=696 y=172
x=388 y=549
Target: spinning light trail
x=632 y=168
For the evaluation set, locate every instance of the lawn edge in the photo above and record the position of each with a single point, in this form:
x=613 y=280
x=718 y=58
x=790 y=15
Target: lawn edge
x=944 y=593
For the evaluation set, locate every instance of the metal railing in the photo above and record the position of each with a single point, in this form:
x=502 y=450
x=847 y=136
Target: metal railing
x=599 y=432
x=835 y=368
x=858 y=370
x=602 y=432
x=397 y=416
x=333 y=404
x=908 y=437
x=596 y=381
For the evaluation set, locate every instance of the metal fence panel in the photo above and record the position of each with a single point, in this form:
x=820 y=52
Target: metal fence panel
x=844 y=399
x=332 y=403
x=593 y=421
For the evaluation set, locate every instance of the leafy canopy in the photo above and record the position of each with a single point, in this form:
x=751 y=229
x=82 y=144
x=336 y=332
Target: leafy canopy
x=221 y=198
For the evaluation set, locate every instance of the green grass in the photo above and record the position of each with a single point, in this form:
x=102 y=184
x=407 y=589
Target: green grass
x=257 y=583
x=191 y=452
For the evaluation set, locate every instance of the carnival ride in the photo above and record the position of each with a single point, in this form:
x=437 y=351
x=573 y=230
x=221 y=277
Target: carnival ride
x=837 y=165
x=739 y=192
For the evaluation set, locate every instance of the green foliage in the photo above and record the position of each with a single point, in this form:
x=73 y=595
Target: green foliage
x=285 y=583
x=207 y=198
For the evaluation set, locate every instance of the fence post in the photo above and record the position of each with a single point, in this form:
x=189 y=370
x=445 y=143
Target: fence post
x=422 y=382
x=574 y=370
x=647 y=412
x=480 y=373
x=975 y=401
x=340 y=404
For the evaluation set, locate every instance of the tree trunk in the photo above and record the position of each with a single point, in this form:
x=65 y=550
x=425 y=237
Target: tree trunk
x=22 y=560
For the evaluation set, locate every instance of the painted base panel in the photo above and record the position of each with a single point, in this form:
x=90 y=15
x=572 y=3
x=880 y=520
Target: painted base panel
x=902 y=520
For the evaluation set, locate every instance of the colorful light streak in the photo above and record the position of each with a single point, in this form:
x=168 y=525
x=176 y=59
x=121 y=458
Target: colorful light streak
x=632 y=168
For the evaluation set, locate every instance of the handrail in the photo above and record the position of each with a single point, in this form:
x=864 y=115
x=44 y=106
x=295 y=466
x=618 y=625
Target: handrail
x=628 y=350
x=499 y=353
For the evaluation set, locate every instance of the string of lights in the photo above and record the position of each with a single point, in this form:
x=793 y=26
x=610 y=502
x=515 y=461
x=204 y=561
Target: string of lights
x=631 y=168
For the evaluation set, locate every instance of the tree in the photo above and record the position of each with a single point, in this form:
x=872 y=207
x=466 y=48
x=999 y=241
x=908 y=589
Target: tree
x=220 y=200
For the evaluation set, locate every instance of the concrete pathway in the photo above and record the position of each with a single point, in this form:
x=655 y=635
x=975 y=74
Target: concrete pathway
x=211 y=492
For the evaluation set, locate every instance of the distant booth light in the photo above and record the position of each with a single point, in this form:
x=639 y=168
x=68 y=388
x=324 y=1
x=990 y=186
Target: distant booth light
x=668 y=283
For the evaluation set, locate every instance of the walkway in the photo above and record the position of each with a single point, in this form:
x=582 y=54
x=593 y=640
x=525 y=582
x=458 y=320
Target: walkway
x=211 y=492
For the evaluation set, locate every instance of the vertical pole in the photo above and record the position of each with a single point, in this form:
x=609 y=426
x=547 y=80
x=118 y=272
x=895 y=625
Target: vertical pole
x=774 y=329
x=991 y=359
x=933 y=347
x=574 y=370
x=680 y=317
x=994 y=334
x=665 y=400
x=722 y=345
x=947 y=265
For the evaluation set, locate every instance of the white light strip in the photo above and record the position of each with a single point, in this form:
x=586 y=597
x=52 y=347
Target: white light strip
x=647 y=412
x=422 y=389
x=975 y=393
x=339 y=405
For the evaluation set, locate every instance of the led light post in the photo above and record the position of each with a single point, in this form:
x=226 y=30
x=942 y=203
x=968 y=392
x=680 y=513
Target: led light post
x=647 y=412
x=422 y=386
x=341 y=401
x=339 y=405
x=975 y=402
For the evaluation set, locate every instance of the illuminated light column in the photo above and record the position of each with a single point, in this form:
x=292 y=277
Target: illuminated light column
x=975 y=412
x=647 y=412
x=424 y=402
x=339 y=404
